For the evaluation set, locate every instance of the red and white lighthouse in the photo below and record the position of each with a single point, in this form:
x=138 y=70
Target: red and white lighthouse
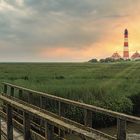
x=126 y=49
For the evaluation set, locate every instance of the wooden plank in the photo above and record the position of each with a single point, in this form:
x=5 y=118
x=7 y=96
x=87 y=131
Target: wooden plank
x=88 y=118
x=30 y=96
x=12 y=91
x=121 y=129
x=41 y=101
x=5 y=88
x=61 y=113
x=64 y=119
x=19 y=126
x=26 y=124
x=43 y=106
x=9 y=123
x=57 y=122
x=17 y=135
x=0 y=128
x=82 y=105
x=61 y=109
x=49 y=131
x=61 y=134
x=20 y=94
x=3 y=135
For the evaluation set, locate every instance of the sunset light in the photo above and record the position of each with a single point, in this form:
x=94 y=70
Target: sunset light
x=66 y=30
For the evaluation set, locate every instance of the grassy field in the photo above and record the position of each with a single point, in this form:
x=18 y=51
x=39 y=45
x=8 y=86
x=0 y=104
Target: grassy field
x=107 y=85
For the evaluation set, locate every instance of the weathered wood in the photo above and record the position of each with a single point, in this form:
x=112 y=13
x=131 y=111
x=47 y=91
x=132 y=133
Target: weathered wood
x=62 y=103
x=26 y=124
x=49 y=131
x=61 y=109
x=41 y=102
x=61 y=134
x=56 y=121
x=88 y=118
x=11 y=91
x=61 y=113
x=82 y=138
x=0 y=128
x=43 y=106
x=121 y=129
x=30 y=96
x=20 y=94
x=20 y=127
x=81 y=105
x=9 y=123
x=5 y=88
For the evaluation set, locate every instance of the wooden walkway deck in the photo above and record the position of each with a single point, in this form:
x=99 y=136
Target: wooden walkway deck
x=20 y=110
x=17 y=135
x=54 y=121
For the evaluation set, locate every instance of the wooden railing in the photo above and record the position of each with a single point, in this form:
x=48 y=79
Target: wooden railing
x=11 y=90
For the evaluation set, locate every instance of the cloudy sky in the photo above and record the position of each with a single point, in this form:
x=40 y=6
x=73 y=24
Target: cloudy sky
x=66 y=30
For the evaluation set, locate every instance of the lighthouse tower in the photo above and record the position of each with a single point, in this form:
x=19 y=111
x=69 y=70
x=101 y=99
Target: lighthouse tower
x=126 y=49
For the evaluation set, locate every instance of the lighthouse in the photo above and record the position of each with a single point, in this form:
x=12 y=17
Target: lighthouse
x=126 y=49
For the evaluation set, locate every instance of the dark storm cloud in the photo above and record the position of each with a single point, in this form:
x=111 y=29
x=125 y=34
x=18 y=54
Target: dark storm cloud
x=28 y=25
x=48 y=18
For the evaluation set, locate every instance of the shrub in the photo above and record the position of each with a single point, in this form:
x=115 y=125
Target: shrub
x=93 y=60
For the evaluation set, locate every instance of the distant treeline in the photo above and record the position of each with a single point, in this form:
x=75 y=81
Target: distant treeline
x=107 y=60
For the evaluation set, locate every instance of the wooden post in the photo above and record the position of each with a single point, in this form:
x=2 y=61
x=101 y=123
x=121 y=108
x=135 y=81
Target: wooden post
x=20 y=94
x=9 y=123
x=0 y=127
x=41 y=102
x=61 y=109
x=26 y=125
x=46 y=103
x=83 y=138
x=121 y=129
x=30 y=98
x=12 y=92
x=5 y=89
x=61 y=113
x=49 y=131
x=42 y=106
x=88 y=118
x=61 y=134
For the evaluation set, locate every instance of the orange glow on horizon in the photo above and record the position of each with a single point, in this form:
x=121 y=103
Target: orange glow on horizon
x=111 y=42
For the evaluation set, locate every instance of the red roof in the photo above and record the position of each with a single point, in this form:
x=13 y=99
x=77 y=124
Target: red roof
x=136 y=55
x=116 y=56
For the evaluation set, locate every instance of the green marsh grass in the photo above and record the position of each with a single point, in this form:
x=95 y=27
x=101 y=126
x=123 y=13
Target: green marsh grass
x=108 y=85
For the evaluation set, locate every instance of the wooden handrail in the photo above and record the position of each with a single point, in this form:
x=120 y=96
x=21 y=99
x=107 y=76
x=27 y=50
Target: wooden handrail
x=61 y=118
x=114 y=114
x=49 y=119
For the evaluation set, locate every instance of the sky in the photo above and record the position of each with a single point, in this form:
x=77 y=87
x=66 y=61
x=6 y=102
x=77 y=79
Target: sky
x=66 y=30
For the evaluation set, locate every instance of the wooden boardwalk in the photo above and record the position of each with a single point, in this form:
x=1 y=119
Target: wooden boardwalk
x=17 y=135
x=52 y=120
x=20 y=110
